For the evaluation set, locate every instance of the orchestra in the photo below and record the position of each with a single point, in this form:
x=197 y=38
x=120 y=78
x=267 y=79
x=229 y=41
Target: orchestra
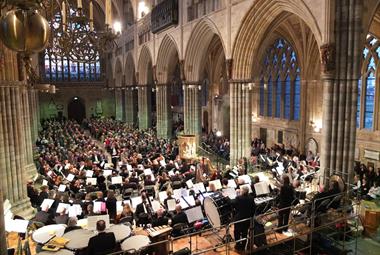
x=139 y=179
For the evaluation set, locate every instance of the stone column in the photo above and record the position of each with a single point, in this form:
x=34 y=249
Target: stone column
x=3 y=241
x=164 y=118
x=192 y=110
x=13 y=157
x=30 y=167
x=144 y=101
x=118 y=104
x=130 y=106
x=240 y=120
x=341 y=71
x=33 y=111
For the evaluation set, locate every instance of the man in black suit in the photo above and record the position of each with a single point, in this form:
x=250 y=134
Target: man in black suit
x=244 y=206
x=103 y=243
x=161 y=220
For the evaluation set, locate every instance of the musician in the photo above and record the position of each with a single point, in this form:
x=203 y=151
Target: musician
x=179 y=218
x=32 y=193
x=160 y=220
x=43 y=194
x=244 y=206
x=111 y=204
x=72 y=224
x=286 y=199
x=143 y=211
x=103 y=243
x=62 y=218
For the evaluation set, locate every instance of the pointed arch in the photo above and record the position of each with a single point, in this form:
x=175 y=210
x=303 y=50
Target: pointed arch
x=196 y=50
x=167 y=59
x=144 y=66
x=130 y=71
x=255 y=26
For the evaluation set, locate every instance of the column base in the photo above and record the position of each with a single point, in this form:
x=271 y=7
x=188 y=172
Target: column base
x=31 y=171
x=23 y=208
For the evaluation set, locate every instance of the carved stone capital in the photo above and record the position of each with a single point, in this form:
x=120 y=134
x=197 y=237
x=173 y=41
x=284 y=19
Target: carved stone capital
x=328 y=58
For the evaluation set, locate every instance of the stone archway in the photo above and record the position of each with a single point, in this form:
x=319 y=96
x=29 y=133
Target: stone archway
x=76 y=109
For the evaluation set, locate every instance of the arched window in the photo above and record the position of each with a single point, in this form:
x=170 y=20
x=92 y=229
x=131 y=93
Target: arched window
x=367 y=84
x=280 y=82
x=60 y=68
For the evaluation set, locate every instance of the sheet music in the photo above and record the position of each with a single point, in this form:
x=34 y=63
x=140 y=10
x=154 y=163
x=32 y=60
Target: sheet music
x=229 y=192
x=117 y=180
x=261 y=188
x=156 y=205
x=75 y=210
x=199 y=187
x=189 y=199
x=129 y=168
x=163 y=163
x=62 y=188
x=92 y=220
x=177 y=193
x=47 y=203
x=102 y=164
x=189 y=184
x=45 y=183
x=176 y=165
x=140 y=167
x=61 y=207
x=194 y=214
x=231 y=184
x=107 y=173
x=91 y=181
x=18 y=226
x=171 y=204
x=89 y=173
x=70 y=177
x=217 y=183
x=245 y=179
x=171 y=173
x=99 y=207
x=119 y=207
x=162 y=195
x=148 y=171
x=135 y=201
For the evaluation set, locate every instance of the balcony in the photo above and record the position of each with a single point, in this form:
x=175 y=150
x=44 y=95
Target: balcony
x=199 y=8
x=164 y=15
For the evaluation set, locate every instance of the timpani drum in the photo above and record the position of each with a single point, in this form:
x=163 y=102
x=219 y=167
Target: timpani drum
x=44 y=234
x=217 y=209
x=121 y=232
x=135 y=244
x=78 y=239
x=60 y=252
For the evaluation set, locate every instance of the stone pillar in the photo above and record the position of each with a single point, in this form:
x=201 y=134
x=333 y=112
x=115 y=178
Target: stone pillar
x=130 y=106
x=164 y=118
x=341 y=71
x=192 y=110
x=118 y=104
x=144 y=101
x=240 y=120
x=3 y=241
x=13 y=157
x=33 y=112
x=30 y=167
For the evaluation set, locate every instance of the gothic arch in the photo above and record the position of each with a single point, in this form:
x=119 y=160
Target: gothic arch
x=130 y=71
x=196 y=51
x=167 y=59
x=144 y=66
x=255 y=27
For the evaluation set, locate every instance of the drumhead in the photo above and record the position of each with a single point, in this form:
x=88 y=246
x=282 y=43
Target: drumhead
x=135 y=242
x=212 y=212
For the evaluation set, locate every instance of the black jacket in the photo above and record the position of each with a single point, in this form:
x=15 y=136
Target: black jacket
x=286 y=196
x=244 y=206
x=103 y=243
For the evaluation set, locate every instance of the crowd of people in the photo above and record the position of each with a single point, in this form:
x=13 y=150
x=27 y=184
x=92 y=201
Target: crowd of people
x=79 y=164
x=367 y=181
x=217 y=143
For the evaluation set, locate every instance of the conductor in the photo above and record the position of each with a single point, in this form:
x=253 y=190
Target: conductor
x=244 y=206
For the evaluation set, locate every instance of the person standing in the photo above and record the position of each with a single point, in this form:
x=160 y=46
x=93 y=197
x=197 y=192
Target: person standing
x=285 y=201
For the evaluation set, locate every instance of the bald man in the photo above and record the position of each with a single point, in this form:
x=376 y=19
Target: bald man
x=161 y=220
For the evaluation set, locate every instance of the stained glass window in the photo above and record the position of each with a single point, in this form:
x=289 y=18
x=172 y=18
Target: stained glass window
x=283 y=93
x=367 y=84
x=60 y=68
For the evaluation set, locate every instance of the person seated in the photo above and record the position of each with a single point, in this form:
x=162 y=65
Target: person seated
x=103 y=243
x=179 y=218
x=127 y=212
x=72 y=224
x=44 y=216
x=62 y=218
x=373 y=192
x=143 y=211
x=161 y=220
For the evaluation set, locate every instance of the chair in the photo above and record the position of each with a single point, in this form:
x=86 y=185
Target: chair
x=176 y=185
x=150 y=191
x=127 y=194
x=178 y=229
